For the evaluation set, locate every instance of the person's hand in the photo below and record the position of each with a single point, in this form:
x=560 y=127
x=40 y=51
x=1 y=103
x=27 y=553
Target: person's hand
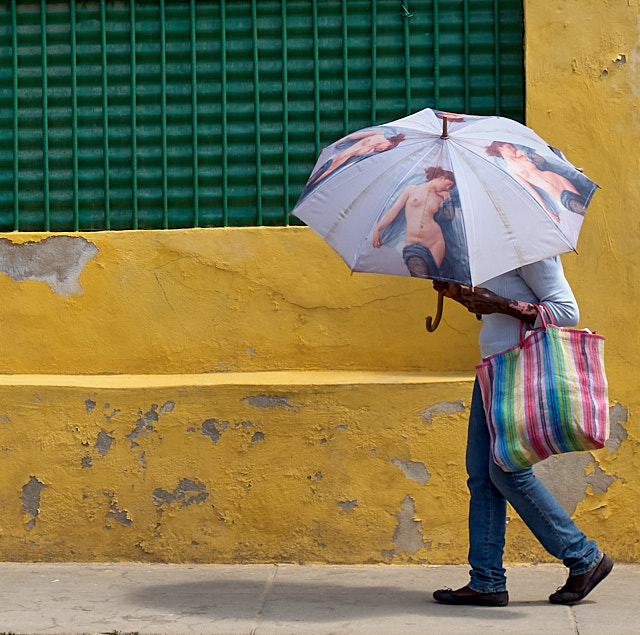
x=448 y=289
x=377 y=242
x=481 y=301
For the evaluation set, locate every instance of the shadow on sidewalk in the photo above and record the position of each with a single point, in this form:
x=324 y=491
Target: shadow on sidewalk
x=318 y=602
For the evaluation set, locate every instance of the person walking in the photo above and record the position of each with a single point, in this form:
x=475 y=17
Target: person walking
x=503 y=303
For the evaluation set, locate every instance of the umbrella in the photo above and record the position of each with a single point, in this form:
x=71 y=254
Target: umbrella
x=444 y=196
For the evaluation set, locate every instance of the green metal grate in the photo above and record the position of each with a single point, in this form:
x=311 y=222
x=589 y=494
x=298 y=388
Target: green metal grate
x=183 y=114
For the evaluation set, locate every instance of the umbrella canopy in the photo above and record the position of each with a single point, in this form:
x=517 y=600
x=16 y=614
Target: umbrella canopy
x=457 y=198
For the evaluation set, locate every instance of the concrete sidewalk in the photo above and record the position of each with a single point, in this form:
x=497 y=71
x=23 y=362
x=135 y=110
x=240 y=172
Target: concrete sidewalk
x=289 y=599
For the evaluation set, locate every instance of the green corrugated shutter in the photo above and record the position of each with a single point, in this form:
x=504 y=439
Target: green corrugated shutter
x=102 y=128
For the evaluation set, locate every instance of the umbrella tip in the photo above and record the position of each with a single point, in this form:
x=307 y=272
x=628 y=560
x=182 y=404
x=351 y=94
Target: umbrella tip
x=444 y=128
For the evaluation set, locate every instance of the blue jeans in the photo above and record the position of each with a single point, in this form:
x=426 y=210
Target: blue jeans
x=490 y=488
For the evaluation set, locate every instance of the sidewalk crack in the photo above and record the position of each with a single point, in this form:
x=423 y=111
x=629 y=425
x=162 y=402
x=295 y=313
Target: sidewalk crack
x=263 y=599
x=574 y=621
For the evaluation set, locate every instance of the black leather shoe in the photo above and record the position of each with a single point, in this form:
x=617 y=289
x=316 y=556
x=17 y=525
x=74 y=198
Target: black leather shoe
x=467 y=596
x=577 y=587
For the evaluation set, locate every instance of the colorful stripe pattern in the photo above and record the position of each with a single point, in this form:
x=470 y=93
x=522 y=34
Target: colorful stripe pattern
x=548 y=395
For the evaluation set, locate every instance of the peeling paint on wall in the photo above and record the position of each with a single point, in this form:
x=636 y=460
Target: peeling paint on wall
x=413 y=470
x=617 y=432
x=442 y=407
x=213 y=429
x=108 y=417
x=56 y=260
x=567 y=477
x=31 y=499
x=121 y=517
x=600 y=480
x=408 y=533
x=103 y=443
x=347 y=506
x=143 y=425
x=188 y=492
x=166 y=407
x=267 y=401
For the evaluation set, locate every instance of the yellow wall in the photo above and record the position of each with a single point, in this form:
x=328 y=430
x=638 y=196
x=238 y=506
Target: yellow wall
x=235 y=395
x=212 y=300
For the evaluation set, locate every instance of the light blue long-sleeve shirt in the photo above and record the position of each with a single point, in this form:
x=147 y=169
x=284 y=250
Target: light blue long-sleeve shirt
x=540 y=282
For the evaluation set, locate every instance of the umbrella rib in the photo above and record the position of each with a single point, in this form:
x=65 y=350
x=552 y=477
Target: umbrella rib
x=503 y=217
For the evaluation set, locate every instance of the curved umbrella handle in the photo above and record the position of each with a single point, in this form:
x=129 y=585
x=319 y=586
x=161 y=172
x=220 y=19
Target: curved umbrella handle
x=432 y=324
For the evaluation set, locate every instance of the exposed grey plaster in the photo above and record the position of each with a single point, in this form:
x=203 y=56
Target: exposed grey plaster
x=103 y=443
x=408 y=533
x=318 y=476
x=258 y=436
x=413 y=470
x=89 y=404
x=600 y=480
x=121 y=517
x=442 y=407
x=112 y=415
x=167 y=407
x=5 y=419
x=344 y=426
x=268 y=401
x=31 y=499
x=56 y=260
x=86 y=461
x=143 y=425
x=209 y=429
x=567 y=477
x=347 y=506
x=617 y=432
x=187 y=492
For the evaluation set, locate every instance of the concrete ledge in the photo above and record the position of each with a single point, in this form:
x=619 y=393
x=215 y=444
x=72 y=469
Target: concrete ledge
x=339 y=467
x=274 y=378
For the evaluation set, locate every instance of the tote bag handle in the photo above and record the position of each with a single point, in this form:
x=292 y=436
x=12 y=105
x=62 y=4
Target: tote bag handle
x=542 y=309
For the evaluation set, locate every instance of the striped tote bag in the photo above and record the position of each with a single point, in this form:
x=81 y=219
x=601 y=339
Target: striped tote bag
x=547 y=395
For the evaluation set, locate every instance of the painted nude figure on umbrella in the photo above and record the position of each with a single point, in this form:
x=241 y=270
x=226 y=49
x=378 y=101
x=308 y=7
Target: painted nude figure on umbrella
x=552 y=190
x=351 y=149
x=425 y=244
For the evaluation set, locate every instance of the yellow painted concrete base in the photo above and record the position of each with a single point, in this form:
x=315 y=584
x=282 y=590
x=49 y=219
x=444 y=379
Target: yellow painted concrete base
x=318 y=467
